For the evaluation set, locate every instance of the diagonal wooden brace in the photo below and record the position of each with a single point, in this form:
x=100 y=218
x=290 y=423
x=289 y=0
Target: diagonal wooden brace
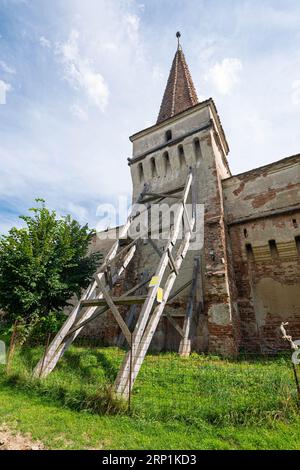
x=115 y=312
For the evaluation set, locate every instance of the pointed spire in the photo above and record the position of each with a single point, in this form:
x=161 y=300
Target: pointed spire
x=180 y=93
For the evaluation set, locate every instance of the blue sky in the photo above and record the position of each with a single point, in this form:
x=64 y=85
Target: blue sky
x=78 y=77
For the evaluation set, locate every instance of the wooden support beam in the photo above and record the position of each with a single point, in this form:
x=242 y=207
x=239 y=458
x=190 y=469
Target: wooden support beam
x=144 y=330
x=158 y=251
x=115 y=312
x=123 y=383
x=174 y=323
x=185 y=344
x=108 y=276
x=62 y=340
x=133 y=312
x=164 y=195
x=88 y=308
x=133 y=300
x=155 y=247
x=172 y=262
x=98 y=313
x=187 y=218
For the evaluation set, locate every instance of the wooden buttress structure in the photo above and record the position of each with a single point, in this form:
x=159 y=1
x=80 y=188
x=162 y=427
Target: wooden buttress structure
x=98 y=298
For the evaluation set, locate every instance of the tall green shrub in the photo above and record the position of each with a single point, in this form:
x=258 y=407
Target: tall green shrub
x=41 y=267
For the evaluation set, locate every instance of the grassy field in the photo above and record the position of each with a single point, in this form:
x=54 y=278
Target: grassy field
x=178 y=403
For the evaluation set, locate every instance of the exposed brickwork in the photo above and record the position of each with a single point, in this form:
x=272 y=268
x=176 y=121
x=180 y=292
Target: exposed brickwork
x=268 y=288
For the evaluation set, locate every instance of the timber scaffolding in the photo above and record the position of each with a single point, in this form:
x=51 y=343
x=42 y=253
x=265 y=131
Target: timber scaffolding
x=98 y=297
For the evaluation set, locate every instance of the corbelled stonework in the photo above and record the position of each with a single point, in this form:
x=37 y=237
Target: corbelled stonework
x=180 y=93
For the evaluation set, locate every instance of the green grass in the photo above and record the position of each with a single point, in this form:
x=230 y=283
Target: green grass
x=178 y=403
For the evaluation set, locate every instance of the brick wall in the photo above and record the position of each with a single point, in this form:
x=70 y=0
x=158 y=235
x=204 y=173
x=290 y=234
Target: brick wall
x=267 y=280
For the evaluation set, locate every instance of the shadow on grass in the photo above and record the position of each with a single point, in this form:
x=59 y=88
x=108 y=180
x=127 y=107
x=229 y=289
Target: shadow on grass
x=30 y=357
x=165 y=380
x=82 y=381
x=110 y=369
x=101 y=402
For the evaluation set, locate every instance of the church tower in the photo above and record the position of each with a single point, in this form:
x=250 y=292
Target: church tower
x=188 y=134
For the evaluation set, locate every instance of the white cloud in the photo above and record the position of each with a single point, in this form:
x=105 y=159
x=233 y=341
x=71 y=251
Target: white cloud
x=4 y=88
x=157 y=73
x=132 y=23
x=79 y=73
x=258 y=127
x=225 y=75
x=79 y=112
x=78 y=212
x=6 y=68
x=45 y=42
x=296 y=92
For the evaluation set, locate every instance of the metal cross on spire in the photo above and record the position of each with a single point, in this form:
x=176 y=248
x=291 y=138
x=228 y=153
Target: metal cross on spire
x=178 y=35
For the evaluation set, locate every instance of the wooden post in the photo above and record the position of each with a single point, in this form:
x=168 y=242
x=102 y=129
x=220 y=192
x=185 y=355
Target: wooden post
x=141 y=346
x=45 y=352
x=121 y=383
x=294 y=347
x=130 y=376
x=185 y=343
x=12 y=346
x=297 y=381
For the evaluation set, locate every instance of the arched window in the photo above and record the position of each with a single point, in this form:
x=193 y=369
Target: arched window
x=197 y=149
x=166 y=160
x=153 y=167
x=141 y=172
x=168 y=136
x=181 y=155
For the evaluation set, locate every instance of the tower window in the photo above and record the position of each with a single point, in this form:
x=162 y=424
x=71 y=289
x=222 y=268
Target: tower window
x=168 y=136
x=295 y=224
x=167 y=165
x=153 y=167
x=197 y=149
x=249 y=252
x=273 y=248
x=181 y=155
x=297 y=241
x=141 y=172
x=245 y=233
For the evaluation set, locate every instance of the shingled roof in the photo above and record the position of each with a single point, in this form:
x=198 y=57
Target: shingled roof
x=180 y=93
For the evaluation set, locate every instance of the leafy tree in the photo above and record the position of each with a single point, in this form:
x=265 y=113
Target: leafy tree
x=41 y=267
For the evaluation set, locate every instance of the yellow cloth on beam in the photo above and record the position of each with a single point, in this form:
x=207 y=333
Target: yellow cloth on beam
x=154 y=281
x=159 y=296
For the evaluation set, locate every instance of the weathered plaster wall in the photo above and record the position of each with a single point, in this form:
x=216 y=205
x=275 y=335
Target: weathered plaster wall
x=264 y=224
x=263 y=190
